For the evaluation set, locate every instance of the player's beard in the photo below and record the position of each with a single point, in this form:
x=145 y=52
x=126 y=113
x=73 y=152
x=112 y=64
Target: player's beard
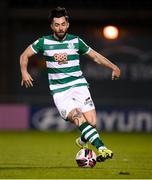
x=60 y=35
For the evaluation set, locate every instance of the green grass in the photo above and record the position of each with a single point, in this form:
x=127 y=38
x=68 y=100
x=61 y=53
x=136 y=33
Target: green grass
x=52 y=155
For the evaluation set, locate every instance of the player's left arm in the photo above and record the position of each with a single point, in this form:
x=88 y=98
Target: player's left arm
x=101 y=60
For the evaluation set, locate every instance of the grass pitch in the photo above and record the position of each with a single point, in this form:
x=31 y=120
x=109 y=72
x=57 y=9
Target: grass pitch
x=51 y=155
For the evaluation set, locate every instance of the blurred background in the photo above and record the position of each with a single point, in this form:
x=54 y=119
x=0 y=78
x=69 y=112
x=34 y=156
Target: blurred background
x=124 y=105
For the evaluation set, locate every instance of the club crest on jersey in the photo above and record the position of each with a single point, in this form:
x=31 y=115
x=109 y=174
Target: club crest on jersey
x=71 y=46
x=61 y=58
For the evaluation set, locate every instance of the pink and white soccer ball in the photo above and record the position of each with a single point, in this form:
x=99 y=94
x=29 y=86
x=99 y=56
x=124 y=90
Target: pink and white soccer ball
x=86 y=158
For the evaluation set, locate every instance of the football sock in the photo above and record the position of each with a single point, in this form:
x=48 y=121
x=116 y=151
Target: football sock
x=89 y=133
x=82 y=142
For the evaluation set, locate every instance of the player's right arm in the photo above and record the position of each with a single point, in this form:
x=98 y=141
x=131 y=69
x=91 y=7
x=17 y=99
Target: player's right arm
x=24 y=58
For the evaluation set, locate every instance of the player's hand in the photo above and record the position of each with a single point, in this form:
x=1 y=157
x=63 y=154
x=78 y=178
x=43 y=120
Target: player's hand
x=115 y=73
x=27 y=80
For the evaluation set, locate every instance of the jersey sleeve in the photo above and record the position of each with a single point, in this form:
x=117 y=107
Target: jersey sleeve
x=37 y=46
x=83 y=47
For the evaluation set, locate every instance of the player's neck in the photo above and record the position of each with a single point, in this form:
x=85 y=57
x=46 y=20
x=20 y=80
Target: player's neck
x=60 y=39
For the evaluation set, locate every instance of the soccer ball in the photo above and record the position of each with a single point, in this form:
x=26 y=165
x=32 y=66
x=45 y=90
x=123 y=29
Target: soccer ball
x=86 y=158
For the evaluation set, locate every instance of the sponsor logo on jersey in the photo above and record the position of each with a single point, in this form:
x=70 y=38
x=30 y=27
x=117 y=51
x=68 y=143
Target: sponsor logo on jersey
x=61 y=58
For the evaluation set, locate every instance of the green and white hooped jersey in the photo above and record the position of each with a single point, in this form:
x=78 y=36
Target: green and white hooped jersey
x=62 y=61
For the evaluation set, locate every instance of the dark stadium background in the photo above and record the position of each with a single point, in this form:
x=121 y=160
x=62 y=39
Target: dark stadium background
x=22 y=22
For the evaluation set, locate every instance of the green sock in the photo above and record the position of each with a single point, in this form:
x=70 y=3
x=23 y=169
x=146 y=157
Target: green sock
x=89 y=133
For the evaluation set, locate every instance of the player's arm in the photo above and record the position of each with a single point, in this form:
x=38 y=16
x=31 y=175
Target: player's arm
x=24 y=58
x=98 y=58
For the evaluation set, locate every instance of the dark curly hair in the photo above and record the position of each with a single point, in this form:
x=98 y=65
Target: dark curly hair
x=58 y=12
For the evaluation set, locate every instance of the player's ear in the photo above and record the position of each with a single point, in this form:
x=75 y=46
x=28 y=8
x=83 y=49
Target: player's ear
x=51 y=26
x=68 y=25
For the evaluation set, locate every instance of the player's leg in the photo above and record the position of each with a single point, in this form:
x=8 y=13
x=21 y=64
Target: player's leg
x=82 y=98
x=91 y=119
x=76 y=117
x=103 y=152
x=89 y=133
x=90 y=116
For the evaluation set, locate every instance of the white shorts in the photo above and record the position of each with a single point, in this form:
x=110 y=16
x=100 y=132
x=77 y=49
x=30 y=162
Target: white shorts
x=76 y=97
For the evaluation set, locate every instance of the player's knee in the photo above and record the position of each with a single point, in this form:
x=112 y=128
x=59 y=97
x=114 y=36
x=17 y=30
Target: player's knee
x=76 y=116
x=90 y=116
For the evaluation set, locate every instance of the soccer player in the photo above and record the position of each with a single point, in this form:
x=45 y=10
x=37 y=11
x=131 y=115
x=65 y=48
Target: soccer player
x=66 y=81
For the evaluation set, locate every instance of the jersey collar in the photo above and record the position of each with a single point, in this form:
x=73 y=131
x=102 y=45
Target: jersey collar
x=65 y=37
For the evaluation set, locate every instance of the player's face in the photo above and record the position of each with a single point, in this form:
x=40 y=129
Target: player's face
x=59 y=27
